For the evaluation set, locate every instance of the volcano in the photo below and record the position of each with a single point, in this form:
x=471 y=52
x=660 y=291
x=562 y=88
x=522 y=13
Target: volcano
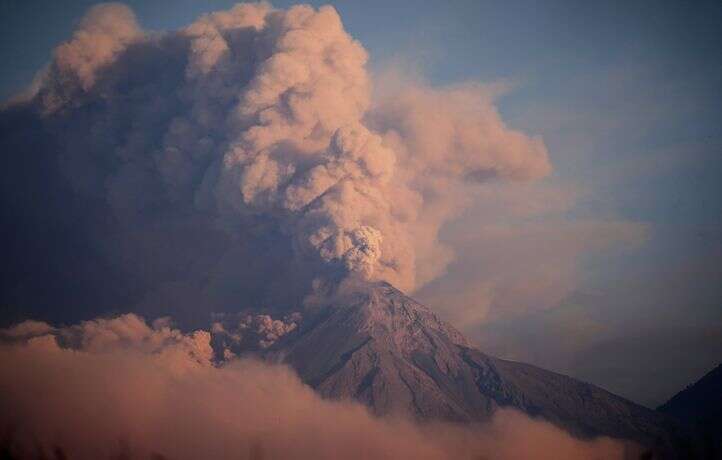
x=378 y=346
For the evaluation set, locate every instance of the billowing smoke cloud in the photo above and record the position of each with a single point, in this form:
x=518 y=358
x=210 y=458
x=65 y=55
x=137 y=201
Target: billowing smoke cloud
x=249 y=140
x=111 y=388
x=105 y=31
x=241 y=332
x=450 y=140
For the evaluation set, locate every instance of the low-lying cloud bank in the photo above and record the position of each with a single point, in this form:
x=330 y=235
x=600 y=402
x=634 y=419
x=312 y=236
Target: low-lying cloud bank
x=119 y=386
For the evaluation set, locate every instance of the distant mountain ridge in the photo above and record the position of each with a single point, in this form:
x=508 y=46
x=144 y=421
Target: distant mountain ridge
x=382 y=348
x=700 y=406
x=700 y=402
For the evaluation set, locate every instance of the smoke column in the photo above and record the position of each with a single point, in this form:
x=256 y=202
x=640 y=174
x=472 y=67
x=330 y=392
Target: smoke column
x=244 y=153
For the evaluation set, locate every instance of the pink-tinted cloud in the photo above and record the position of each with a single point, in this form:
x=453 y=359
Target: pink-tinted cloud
x=275 y=119
x=121 y=386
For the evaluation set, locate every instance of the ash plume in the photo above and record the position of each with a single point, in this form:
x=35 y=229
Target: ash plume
x=243 y=154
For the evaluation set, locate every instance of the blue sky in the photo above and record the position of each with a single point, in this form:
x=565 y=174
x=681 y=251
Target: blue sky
x=626 y=96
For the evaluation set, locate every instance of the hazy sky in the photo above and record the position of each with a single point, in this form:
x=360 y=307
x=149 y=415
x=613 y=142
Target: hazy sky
x=628 y=237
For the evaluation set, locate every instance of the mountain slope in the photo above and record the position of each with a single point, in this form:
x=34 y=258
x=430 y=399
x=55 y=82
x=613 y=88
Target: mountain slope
x=700 y=406
x=700 y=402
x=382 y=348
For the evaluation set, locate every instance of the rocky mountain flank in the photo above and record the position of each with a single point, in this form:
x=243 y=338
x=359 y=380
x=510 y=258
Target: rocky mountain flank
x=382 y=348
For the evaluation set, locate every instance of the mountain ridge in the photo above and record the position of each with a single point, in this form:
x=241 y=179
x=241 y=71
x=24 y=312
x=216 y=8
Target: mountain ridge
x=699 y=405
x=698 y=398
x=380 y=347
